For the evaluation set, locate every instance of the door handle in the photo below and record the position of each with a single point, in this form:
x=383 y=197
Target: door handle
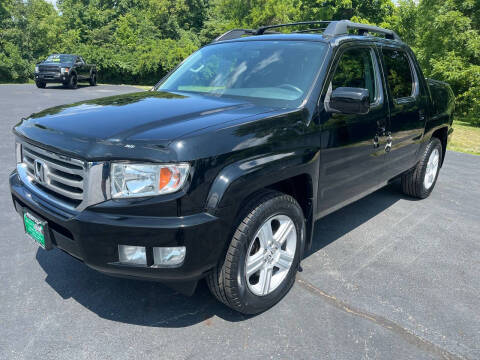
x=388 y=145
x=421 y=115
x=381 y=131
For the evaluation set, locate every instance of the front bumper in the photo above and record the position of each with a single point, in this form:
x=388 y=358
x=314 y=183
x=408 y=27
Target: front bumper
x=93 y=237
x=51 y=77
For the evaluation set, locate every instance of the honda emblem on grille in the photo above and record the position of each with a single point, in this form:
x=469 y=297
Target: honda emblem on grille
x=39 y=171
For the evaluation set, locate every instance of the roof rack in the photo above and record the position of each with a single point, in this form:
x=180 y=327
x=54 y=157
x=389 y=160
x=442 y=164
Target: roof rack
x=261 y=30
x=234 y=34
x=332 y=29
x=336 y=28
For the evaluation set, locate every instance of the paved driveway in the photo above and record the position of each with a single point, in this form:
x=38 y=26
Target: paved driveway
x=389 y=278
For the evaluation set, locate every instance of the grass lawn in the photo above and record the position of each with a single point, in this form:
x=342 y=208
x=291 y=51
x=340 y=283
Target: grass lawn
x=466 y=138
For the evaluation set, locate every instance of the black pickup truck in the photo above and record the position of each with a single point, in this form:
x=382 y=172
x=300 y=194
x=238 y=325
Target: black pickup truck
x=222 y=169
x=66 y=69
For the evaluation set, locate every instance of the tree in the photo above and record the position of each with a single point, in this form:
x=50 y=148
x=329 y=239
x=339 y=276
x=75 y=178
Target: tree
x=28 y=31
x=374 y=11
x=448 y=47
x=132 y=40
x=403 y=20
x=141 y=40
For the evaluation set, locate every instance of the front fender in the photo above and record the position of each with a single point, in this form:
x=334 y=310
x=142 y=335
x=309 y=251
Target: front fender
x=238 y=181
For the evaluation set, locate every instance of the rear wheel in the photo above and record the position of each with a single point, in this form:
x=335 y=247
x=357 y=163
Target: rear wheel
x=40 y=84
x=420 y=181
x=93 y=79
x=264 y=254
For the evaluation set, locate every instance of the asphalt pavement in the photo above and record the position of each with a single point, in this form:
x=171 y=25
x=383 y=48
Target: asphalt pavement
x=389 y=277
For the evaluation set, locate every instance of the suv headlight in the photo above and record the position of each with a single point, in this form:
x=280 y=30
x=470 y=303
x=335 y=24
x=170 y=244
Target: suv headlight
x=36 y=69
x=136 y=180
x=64 y=70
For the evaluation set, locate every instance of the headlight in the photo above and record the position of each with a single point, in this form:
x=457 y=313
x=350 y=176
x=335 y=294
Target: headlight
x=136 y=180
x=36 y=69
x=64 y=70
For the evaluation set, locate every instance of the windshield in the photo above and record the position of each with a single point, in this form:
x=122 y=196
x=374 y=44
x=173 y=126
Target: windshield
x=276 y=72
x=60 y=58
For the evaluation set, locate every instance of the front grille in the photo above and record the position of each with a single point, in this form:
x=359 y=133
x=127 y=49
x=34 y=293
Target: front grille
x=48 y=68
x=60 y=176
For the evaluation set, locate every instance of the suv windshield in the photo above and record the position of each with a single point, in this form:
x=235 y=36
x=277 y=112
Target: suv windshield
x=60 y=58
x=279 y=73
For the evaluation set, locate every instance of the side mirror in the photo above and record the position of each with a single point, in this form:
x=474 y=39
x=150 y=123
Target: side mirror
x=348 y=100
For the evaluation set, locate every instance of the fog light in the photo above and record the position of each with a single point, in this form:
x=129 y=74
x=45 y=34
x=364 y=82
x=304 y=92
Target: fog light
x=132 y=254
x=168 y=256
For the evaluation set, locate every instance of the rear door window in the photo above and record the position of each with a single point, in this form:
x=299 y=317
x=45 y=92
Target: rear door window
x=399 y=73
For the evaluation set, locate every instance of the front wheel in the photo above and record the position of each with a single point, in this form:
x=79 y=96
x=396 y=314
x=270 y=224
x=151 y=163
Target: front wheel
x=72 y=82
x=40 y=84
x=264 y=254
x=420 y=181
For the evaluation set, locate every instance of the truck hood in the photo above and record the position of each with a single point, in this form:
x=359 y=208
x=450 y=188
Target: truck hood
x=149 y=118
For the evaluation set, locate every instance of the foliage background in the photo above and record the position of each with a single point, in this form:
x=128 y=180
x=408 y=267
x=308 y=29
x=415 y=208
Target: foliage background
x=139 y=41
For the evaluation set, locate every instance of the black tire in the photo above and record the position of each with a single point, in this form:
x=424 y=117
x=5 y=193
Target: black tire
x=413 y=181
x=40 y=84
x=227 y=281
x=72 y=81
x=93 y=79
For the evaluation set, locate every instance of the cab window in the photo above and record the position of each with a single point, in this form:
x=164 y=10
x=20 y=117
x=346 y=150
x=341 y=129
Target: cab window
x=356 y=69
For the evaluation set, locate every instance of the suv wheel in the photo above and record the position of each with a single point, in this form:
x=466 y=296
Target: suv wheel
x=73 y=82
x=93 y=79
x=40 y=84
x=264 y=254
x=420 y=181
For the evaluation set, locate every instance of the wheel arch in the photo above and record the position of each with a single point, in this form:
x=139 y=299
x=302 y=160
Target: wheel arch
x=290 y=173
x=439 y=130
x=442 y=135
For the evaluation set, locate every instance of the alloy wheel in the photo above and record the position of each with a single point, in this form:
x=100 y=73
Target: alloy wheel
x=432 y=169
x=270 y=255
